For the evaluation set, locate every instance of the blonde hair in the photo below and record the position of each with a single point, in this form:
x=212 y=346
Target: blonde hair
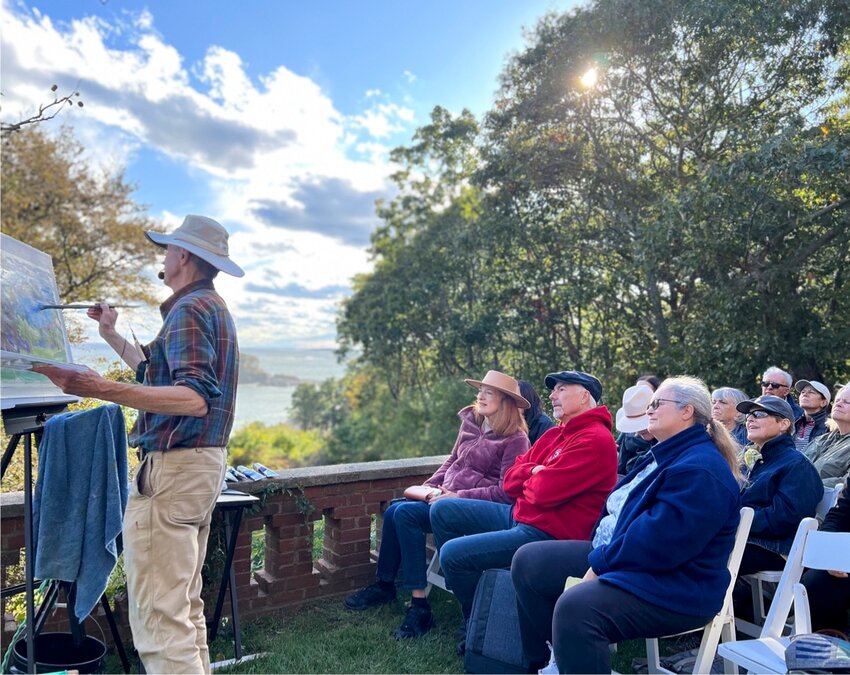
x=507 y=420
x=692 y=391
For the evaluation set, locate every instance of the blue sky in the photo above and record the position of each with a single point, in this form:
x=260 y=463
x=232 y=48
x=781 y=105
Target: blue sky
x=275 y=117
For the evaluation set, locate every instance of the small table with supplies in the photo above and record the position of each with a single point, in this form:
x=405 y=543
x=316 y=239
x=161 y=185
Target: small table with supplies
x=231 y=504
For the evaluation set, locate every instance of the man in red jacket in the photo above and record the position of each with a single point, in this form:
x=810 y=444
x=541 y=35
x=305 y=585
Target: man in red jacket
x=559 y=485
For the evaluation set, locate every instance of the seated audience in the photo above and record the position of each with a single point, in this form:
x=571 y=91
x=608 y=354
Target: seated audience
x=814 y=400
x=782 y=488
x=536 y=419
x=657 y=564
x=631 y=421
x=492 y=434
x=829 y=592
x=777 y=382
x=830 y=452
x=559 y=486
x=723 y=402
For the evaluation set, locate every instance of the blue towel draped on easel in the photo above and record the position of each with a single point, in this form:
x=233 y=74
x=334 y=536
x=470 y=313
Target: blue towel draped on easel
x=80 y=497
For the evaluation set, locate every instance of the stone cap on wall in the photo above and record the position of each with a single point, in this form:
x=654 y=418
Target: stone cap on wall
x=12 y=503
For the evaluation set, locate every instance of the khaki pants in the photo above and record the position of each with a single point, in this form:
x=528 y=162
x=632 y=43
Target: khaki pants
x=166 y=526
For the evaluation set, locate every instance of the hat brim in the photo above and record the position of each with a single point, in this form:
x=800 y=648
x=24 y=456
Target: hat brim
x=521 y=401
x=631 y=425
x=748 y=406
x=220 y=262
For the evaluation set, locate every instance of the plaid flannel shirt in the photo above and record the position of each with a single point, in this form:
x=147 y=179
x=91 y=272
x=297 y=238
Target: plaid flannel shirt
x=197 y=348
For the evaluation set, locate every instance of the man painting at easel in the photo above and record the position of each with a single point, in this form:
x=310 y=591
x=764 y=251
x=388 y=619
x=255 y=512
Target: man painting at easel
x=186 y=401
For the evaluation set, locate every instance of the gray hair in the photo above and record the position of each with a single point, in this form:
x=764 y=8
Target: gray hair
x=733 y=395
x=692 y=391
x=773 y=370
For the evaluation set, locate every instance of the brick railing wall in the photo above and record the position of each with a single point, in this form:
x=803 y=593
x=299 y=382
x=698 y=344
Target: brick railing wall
x=345 y=496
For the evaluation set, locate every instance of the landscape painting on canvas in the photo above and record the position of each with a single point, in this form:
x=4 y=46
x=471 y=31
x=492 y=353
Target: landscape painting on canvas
x=28 y=333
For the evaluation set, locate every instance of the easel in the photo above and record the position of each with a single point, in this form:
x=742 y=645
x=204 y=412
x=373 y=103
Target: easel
x=28 y=422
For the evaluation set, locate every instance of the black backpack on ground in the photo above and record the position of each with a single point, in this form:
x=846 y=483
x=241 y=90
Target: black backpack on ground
x=493 y=643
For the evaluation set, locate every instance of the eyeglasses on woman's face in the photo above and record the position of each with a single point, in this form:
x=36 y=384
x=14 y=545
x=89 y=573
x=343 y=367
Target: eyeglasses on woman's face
x=767 y=384
x=655 y=403
x=761 y=414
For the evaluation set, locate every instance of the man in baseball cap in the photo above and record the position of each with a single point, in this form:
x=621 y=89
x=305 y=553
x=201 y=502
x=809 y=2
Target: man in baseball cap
x=186 y=400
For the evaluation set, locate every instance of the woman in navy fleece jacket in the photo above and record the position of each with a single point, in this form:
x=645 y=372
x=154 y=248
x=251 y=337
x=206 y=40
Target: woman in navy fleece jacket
x=657 y=562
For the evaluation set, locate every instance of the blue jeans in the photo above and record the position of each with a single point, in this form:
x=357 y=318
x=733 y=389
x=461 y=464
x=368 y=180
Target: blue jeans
x=473 y=535
x=403 y=544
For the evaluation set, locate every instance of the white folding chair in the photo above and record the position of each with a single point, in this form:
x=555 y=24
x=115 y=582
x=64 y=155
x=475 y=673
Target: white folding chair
x=723 y=623
x=813 y=550
x=434 y=575
x=829 y=499
x=757 y=580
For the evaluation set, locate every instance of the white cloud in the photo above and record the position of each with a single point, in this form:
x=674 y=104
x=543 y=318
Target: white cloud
x=384 y=119
x=276 y=141
x=410 y=77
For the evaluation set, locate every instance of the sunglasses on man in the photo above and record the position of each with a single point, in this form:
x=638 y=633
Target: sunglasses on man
x=773 y=385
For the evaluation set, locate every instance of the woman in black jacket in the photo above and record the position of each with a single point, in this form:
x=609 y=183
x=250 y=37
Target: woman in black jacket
x=537 y=420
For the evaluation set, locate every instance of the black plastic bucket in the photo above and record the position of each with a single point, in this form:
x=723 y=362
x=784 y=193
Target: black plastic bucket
x=57 y=651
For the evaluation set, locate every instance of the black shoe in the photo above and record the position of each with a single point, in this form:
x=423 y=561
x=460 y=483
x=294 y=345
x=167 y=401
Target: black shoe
x=371 y=596
x=417 y=622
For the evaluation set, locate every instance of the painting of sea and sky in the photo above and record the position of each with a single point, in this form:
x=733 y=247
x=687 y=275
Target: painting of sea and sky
x=28 y=333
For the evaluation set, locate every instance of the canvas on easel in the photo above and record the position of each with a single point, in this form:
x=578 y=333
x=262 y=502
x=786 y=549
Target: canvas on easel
x=29 y=334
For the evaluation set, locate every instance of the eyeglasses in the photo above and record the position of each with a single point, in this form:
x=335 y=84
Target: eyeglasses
x=761 y=414
x=773 y=385
x=656 y=403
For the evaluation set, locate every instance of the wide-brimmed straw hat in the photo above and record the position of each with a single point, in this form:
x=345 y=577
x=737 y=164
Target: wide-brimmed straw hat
x=632 y=416
x=204 y=237
x=503 y=383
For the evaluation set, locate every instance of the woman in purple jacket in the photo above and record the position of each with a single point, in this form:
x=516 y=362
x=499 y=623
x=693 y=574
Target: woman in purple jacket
x=493 y=433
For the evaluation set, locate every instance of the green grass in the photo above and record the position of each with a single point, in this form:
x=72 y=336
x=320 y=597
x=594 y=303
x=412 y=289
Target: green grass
x=323 y=637
x=326 y=638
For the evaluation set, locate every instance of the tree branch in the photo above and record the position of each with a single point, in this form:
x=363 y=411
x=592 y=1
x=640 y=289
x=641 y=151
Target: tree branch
x=46 y=111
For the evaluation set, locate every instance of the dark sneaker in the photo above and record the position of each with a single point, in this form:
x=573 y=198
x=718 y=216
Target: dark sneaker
x=417 y=622
x=371 y=596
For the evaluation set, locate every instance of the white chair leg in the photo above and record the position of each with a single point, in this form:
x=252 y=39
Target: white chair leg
x=727 y=634
x=653 y=657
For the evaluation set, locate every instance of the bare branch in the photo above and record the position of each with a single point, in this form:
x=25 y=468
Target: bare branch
x=46 y=111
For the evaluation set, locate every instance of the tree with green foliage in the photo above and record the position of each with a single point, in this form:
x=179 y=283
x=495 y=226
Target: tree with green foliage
x=53 y=200
x=660 y=185
x=687 y=96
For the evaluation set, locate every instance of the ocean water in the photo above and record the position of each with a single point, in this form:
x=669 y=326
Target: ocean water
x=254 y=402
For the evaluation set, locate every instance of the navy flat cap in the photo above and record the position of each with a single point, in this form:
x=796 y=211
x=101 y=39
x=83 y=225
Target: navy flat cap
x=772 y=404
x=586 y=380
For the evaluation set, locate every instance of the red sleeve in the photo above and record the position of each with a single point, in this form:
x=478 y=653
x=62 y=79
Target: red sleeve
x=515 y=477
x=585 y=460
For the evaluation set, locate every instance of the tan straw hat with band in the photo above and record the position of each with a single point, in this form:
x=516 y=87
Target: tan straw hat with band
x=503 y=383
x=632 y=417
x=204 y=237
